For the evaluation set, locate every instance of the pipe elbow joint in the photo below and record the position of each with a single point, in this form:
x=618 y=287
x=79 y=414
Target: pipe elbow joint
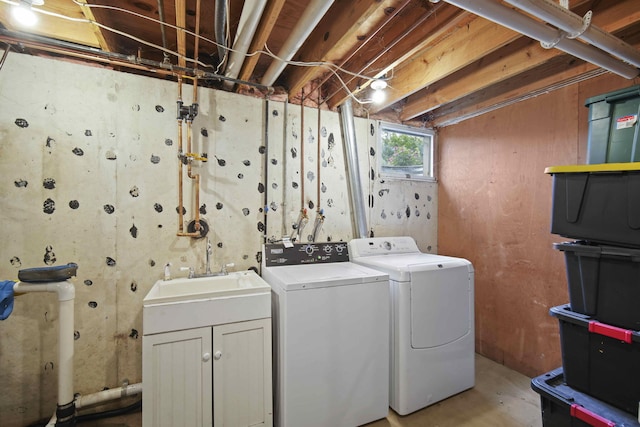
x=66 y=290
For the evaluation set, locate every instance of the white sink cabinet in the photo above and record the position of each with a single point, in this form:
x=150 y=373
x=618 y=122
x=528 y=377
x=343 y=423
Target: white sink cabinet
x=206 y=354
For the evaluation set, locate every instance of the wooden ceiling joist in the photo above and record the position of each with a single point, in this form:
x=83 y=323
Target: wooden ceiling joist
x=530 y=56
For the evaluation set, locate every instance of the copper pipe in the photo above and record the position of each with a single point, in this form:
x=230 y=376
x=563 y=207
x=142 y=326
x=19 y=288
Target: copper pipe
x=180 y=189
x=302 y=149
x=47 y=44
x=195 y=51
x=318 y=157
x=195 y=177
x=181 y=156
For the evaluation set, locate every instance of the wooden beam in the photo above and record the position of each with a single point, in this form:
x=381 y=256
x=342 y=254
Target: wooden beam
x=88 y=13
x=484 y=73
x=340 y=27
x=524 y=86
x=406 y=38
x=461 y=49
x=181 y=22
x=268 y=21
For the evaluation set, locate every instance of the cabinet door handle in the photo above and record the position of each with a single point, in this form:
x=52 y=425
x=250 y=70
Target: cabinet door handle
x=217 y=355
x=206 y=357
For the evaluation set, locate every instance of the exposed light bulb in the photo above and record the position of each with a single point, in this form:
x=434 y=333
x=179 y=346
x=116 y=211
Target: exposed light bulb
x=378 y=96
x=23 y=14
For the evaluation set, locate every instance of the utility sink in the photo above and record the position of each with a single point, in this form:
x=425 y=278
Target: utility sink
x=183 y=303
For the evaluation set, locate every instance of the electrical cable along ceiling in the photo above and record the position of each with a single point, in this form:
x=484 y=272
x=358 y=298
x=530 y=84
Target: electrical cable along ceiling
x=439 y=59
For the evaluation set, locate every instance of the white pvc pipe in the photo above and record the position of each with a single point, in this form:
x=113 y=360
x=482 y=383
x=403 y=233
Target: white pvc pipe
x=66 y=294
x=106 y=395
x=572 y=24
x=514 y=20
x=249 y=20
x=307 y=22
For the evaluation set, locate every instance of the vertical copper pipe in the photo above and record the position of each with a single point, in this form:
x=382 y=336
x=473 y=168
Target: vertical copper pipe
x=318 y=157
x=193 y=177
x=302 y=149
x=180 y=154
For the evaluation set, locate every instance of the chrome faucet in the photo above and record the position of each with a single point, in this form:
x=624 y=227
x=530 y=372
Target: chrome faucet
x=209 y=252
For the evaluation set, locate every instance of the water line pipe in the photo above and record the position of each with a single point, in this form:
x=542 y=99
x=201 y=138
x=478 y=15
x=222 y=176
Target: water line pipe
x=72 y=50
x=187 y=114
x=266 y=168
x=303 y=218
x=576 y=26
x=319 y=211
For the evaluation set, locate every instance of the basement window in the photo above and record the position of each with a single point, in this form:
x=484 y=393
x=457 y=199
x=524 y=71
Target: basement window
x=406 y=152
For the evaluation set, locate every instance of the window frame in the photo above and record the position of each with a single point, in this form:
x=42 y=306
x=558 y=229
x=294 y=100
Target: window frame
x=414 y=131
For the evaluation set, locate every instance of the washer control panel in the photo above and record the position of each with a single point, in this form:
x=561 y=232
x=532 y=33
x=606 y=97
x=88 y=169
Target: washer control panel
x=277 y=254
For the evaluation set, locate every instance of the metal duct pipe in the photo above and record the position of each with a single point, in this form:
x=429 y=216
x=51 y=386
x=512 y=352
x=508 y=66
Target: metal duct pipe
x=577 y=27
x=514 y=20
x=353 y=170
x=220 y=28
x=307 y=22
x=249 y=20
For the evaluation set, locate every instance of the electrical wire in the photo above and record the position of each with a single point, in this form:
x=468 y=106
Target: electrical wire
x=333 y=68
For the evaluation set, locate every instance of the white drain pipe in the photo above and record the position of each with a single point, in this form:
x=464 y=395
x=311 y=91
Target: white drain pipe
x=66 y=294
x=307 y=22
x=249 y=20
x=578 y=27
x=510 y=18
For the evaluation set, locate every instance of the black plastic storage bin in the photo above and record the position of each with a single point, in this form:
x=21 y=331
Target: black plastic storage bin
x=600 y=203
x=604 y=282
x=563 y=406
x=613 y=126
x=599 y=359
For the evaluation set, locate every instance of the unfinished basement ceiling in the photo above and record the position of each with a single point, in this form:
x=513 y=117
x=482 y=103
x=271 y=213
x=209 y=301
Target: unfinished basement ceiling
x=442 y=64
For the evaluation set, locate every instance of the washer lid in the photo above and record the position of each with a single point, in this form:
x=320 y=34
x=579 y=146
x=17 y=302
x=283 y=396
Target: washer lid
x=400 y=266
x=297 y=277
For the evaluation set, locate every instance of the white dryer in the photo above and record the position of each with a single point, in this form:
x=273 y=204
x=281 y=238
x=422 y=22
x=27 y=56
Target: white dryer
x=432 y=320
x=330 y=322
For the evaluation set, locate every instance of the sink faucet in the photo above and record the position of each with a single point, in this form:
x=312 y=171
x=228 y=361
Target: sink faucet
x=209 y=252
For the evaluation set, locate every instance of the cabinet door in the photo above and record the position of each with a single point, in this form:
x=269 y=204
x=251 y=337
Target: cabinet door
x=177 y=373
x=242 y=374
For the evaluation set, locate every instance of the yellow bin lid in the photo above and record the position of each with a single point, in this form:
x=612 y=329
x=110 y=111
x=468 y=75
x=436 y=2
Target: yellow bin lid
x=601 y=167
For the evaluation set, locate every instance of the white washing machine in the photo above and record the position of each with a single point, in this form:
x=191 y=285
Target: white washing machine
x=432 y=320
x=330 y=322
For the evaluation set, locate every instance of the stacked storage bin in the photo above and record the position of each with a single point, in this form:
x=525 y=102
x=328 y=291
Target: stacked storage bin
x=599 y=382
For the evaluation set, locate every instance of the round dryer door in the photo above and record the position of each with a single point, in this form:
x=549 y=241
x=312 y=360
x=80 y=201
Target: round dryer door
x=441 y=304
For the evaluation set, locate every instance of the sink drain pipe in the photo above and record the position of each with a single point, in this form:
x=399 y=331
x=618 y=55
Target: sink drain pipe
x=66 y=410
x=353 y=170
x=41 y=280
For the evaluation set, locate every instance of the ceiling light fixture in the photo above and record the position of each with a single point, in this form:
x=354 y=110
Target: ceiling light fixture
x=24 y=15
x=378 y=95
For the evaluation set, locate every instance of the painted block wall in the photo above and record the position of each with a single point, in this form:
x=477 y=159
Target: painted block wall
x=89 y=174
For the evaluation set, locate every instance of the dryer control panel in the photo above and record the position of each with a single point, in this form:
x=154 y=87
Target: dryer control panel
x=278 y=254
x=382 y=246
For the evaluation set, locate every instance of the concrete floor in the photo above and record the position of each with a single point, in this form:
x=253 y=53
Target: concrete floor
x=501 y=398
